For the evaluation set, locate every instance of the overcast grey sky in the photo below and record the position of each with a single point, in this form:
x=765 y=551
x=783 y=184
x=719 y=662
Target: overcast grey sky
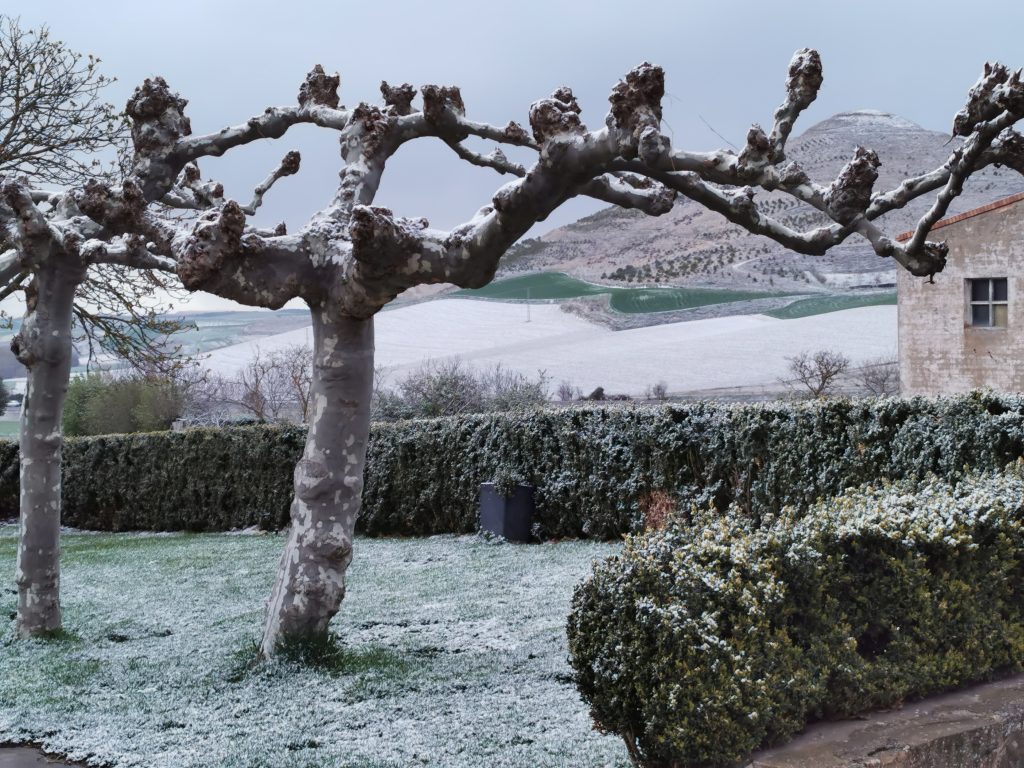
x=724 y=61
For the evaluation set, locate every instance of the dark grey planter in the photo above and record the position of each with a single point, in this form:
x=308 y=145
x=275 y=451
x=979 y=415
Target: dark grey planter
x=508 y=516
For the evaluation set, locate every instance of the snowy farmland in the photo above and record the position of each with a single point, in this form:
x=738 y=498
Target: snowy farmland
x=737 y=351
x=454 y=655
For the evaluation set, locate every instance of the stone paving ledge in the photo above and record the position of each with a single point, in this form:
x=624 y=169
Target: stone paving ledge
x=978 y=727
x=27 y=757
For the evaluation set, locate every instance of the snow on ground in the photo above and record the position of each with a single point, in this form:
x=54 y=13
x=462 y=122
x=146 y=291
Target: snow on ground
x=742 y=350
x=455 y=656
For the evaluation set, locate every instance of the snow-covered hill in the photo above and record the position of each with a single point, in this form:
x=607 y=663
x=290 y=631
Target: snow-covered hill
x=691 y=245
x=740 y=351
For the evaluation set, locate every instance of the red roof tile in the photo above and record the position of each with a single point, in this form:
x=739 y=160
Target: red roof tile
x=968 y=214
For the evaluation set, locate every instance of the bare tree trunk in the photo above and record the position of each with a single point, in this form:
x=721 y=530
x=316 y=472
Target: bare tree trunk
x=328 y=482
x=44 y=345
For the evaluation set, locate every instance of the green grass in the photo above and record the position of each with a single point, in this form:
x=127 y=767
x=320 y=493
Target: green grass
x=556 y=285
x=642 y=300
x=540 y=285
x=820 y=305
x=449 y=651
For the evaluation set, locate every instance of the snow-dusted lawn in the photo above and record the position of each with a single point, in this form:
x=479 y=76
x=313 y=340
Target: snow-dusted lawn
x=456 y=648
x=742 y=350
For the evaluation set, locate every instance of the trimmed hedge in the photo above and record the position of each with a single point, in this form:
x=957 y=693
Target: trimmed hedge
x=702 y=643
x=195 y=480
x=594 y=467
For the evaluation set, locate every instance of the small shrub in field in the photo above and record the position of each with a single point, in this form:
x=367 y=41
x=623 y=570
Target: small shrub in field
x=441 y=388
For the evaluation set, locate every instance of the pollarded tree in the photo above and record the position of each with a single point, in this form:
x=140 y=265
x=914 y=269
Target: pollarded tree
x=78 y=283
x=56 y=251
x=54 y=246
x=348 y=262
x=351 y=258
x=56 y=129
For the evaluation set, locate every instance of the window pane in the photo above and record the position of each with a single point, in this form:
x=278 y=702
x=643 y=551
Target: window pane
x=979 y=314
x=979 y=290
x=999 y=315
x=999 y=289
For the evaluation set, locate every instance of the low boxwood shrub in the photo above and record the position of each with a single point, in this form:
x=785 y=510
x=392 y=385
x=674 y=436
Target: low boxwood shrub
x=700 y=643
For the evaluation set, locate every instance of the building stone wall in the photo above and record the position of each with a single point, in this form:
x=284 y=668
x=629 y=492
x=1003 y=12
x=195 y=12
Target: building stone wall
x=939 y=351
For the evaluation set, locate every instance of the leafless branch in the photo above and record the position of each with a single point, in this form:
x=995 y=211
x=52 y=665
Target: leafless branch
x=288 y=167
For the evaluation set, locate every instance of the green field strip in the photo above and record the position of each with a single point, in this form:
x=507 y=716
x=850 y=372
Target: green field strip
x=819 y=305
x=556 y=285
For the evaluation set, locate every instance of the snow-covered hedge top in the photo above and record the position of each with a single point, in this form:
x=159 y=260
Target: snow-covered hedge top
x=599 y=470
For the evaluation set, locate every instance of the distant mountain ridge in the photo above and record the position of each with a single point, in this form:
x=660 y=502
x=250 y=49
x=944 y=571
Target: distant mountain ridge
x=694 y=246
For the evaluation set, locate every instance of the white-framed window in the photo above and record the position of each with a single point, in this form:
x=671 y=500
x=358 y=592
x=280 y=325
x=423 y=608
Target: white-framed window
x=987 y=302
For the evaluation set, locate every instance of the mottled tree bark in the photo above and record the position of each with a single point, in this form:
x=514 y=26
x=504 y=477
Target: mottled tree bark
x=44 y=345
x=310 y=581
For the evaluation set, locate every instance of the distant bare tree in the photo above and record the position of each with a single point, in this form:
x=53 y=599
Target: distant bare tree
x=273 y=383
x=660 y=391
x=259 y=388
x=817 y=372
x=507 y=390
x=297 y=362
x=567 y=391
x=881 y=376
x=204 y=399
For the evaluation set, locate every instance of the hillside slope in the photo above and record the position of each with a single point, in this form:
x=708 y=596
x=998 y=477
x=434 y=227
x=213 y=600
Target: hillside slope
x=693 y=246
x=701 y=355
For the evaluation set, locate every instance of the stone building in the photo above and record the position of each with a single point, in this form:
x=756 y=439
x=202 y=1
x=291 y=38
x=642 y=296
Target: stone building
x=966 y=330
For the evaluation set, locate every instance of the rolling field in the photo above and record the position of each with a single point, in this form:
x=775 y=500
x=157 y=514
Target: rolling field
x=212 y=330
x=741 y=350
x=819 y=305
x=540 y=285
x=555 y=285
